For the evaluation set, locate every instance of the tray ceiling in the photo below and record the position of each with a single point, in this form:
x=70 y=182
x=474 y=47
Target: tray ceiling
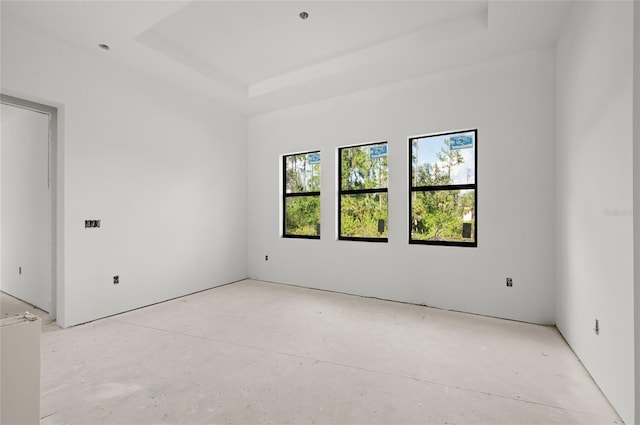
x=256 y=56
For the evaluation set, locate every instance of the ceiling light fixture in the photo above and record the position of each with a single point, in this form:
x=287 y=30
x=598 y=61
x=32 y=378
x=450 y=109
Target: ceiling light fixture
x=304 y=15
x=104 y=46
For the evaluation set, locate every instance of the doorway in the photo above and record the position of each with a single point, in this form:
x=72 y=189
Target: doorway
x=27 y=213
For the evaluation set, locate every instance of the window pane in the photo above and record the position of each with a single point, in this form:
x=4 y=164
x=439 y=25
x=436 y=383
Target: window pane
x=364 y=215
x=303 y=172
x=364 y=167
x=443 y=215
x=443 y=160
x=302 y=215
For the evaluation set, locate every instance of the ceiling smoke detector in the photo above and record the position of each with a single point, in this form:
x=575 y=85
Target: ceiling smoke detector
x=304 y=15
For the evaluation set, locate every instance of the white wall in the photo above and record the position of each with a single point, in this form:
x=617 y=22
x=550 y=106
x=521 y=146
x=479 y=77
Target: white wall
x=166 y=174
x=636 y=199
x=511 y=103
x=595 y=198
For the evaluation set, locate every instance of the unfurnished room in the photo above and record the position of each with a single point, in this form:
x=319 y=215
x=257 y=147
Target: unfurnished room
x=320 y=212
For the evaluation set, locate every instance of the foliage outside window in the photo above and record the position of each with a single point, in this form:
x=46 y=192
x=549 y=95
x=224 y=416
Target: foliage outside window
x=362 y=195
x=443 y=193
x=301 y=200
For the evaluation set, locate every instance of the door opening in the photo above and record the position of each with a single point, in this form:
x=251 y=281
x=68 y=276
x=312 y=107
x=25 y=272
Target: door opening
x=27 y=202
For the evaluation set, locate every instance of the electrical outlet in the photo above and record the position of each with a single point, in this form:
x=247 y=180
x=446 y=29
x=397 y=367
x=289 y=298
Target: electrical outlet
x=116 y=280
x=596 y=329
x=88 y=224
x=266 y=258
x=509 y=282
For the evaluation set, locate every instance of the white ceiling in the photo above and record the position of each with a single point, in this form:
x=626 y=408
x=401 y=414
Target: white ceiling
x=257 y=56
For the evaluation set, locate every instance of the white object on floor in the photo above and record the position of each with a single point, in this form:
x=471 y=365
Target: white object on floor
x=20 y=369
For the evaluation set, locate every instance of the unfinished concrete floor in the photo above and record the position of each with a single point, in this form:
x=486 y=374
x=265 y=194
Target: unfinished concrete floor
x=11 y=306
x=261 y=353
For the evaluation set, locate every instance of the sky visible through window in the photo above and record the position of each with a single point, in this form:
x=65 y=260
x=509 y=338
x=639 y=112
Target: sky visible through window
x=430 y=147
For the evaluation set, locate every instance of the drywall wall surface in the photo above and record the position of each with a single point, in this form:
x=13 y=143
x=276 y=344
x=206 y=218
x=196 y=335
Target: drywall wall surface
x=164 y=172
x=26 y=206
x=595 y=194
x=636 y=199
x=20 y=369
x=511 y=103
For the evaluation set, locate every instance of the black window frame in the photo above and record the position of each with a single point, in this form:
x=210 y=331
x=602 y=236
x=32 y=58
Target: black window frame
x=467 y=186
x=286 y=195
x=342 y=192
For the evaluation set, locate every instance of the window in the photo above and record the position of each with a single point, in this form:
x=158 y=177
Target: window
x=301 y=200
x=362 y=194
x=443 y=193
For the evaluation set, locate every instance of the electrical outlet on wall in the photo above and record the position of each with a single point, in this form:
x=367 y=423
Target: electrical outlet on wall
x=116 y=280
x=509 y=282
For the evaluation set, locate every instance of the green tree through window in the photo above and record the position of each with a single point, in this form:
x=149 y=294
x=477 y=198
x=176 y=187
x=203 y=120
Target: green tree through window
x=443 y=192
x=301 y=200
x=362 y=199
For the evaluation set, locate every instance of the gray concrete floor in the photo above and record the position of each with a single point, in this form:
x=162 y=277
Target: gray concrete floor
x=11 y=306
x=261 y=353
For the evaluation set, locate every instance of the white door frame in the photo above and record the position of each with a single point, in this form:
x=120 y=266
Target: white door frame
x=53 y=155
